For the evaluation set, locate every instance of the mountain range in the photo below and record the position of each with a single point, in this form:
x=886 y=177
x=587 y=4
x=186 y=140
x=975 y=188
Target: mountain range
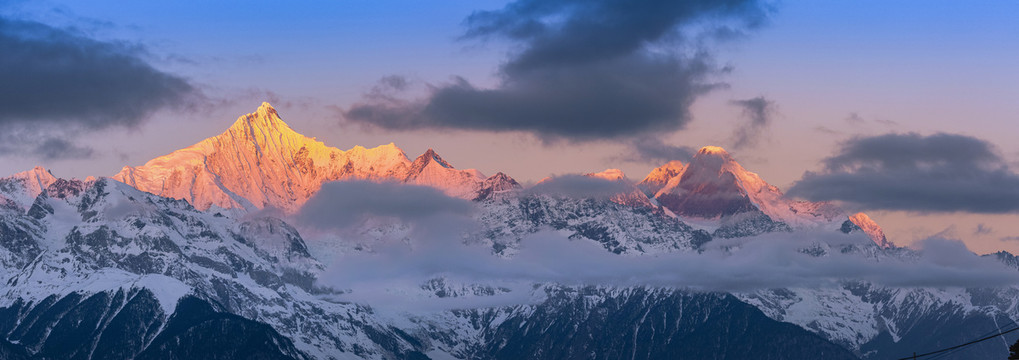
x=163 y=259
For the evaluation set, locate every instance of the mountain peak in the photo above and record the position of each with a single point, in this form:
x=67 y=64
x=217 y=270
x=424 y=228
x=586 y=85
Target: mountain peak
x=660 y=176
x=608 y=174
x=267 y=111
x=21 y=189
x=428 y=157
x=714 y=155
x=871 y=228
x=713 y=185
x=264 y=121
x=259 y=161
x=712 y=150
x=38 y=178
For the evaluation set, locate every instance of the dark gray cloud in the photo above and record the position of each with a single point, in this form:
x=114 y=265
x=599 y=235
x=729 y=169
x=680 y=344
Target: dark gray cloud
x=940 y=172
x=758 y=113
x=584 y=70
x=343 y=203
x=655 y=151
x=51 y=75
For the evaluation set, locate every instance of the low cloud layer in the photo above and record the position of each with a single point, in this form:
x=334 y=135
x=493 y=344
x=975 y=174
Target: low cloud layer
x=940 y=172
x=583 y=70
x=61 y=80
x=435 y=243
x=340 y=204
x=764 y=262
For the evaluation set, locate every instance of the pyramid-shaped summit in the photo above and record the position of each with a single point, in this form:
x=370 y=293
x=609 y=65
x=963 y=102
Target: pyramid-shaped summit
x=259 y=162
x=713 y=186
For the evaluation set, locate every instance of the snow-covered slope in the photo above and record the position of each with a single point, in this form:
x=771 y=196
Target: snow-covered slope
x=430 y=169
x=880 y=322
x=261 y=162
x=630 y=195
x=19 y=190
x=660 y=176
x=106 y=237
x=871 y=228
x=101 y=246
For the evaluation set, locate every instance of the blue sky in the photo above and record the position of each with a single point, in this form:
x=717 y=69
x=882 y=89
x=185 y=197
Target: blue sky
x=833 y=70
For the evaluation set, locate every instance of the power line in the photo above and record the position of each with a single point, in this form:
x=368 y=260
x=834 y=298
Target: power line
x=960 y=345
x=996 y=330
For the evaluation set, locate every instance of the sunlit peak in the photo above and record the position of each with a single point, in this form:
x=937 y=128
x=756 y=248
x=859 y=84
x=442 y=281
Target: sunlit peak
x=712 y=150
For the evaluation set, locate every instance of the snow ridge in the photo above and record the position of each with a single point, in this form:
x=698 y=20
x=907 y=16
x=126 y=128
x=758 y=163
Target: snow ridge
x=261 y=162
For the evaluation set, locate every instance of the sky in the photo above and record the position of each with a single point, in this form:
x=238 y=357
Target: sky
x=905 y=110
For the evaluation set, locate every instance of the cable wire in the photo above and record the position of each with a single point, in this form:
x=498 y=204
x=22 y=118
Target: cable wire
x=996 y=331
x=958 y=346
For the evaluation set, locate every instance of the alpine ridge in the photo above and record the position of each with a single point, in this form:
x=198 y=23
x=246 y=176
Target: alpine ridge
x=261 y=162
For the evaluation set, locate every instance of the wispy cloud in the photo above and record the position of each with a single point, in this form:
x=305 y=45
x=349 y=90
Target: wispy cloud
x=982 y=229
x=654 y=150
x=758 y=113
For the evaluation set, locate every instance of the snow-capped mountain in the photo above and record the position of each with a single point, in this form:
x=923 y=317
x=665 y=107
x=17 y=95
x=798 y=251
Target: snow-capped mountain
x=714 y=186
x=630 y=195
x=871 y=228
x=152 y=266
x=77 y=261
x=660 y=176
x=19 y=190
x=100 y=270
x=260 y=161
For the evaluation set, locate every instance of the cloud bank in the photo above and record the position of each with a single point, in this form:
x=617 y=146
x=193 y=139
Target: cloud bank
x=56 y=81
x=340 y=204
x=436 y=244
x=765 y=262
x=583 y=70
x=940 y=172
